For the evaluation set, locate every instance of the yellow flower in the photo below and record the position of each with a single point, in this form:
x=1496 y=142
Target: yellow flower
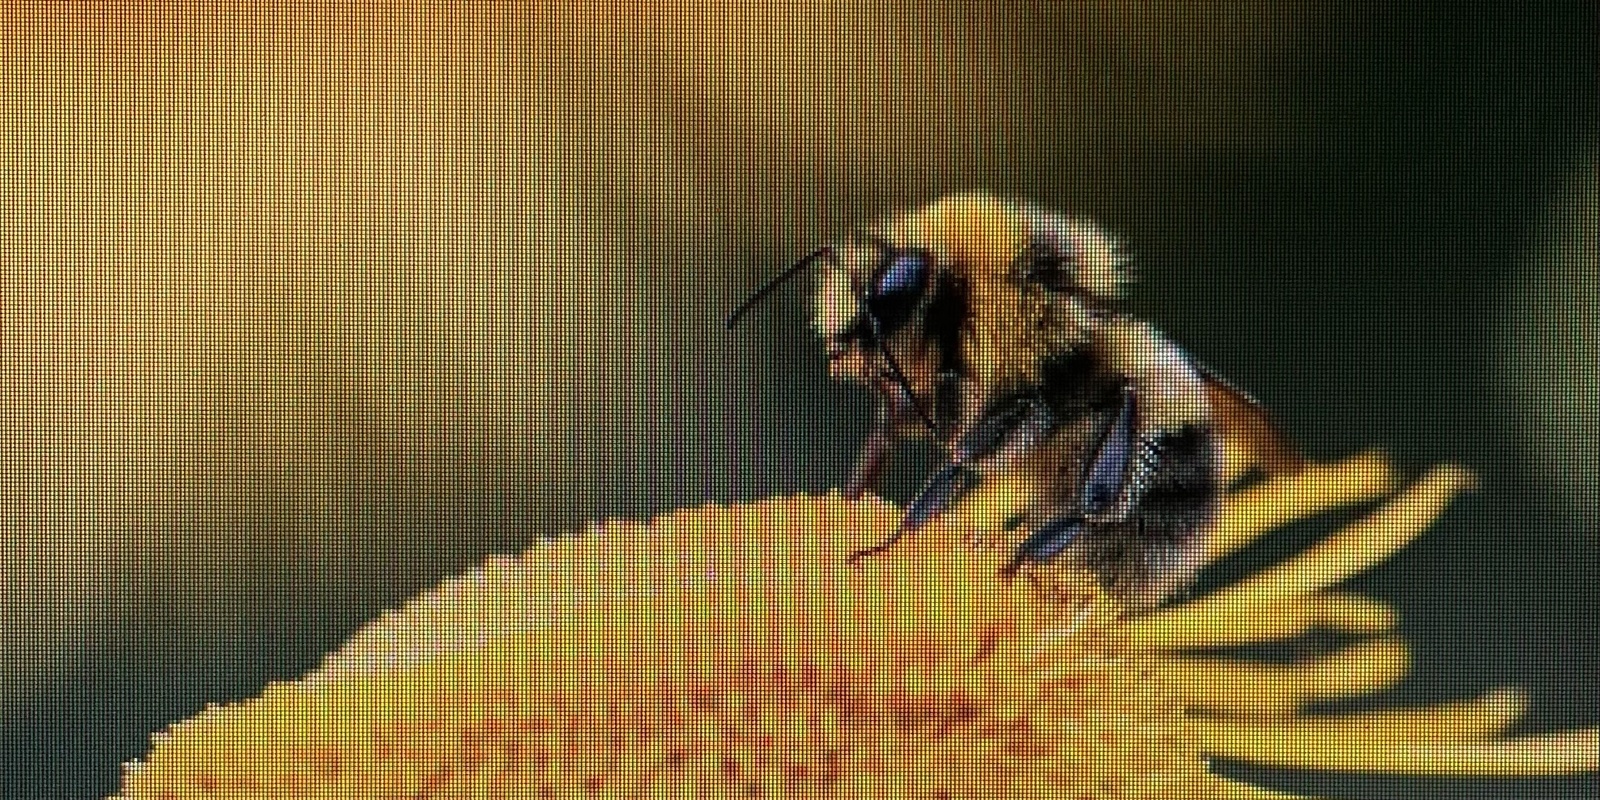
x=733 y=652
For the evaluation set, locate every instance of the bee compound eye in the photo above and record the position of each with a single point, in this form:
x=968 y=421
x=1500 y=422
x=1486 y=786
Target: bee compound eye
x=904 y=275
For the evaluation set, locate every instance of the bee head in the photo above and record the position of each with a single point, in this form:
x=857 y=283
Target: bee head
x=896 y=307
x=866 y=297
x=1004 y=251
x=872 y=293
x=873 y=305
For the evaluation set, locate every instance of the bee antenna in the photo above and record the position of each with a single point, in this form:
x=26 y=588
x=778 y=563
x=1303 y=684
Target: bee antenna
x=894 y=370
x=826 y=251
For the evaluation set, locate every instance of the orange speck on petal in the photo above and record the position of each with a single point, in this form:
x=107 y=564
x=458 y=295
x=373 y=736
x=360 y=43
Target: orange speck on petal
x=734 y=652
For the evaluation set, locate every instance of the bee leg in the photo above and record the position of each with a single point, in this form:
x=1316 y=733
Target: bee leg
x=1046 y=543
x=994 y=429
x=992 y=432
x=1103 y=484
x=1137 y=511
x=870 y=463
x=948 y=485
x=874 y=453
x=1114 y=472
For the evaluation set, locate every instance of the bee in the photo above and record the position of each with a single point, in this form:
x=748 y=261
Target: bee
x=992 y=326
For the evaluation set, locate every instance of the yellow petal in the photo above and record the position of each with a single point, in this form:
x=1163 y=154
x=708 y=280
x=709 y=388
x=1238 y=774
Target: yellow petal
x=1248 y=689
x=1564 y=753
x=1208 y=623
x=723 y=650
x=1460 y=720
x=1354 y=548
x=1272 y=504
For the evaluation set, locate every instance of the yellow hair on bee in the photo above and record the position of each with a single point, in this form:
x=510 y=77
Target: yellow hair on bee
x=1013 y=327
x=979 y=231
x=836 y=303
x=987 y=233
x=1100 y=260
x=1171 y=391
x=1015 y=322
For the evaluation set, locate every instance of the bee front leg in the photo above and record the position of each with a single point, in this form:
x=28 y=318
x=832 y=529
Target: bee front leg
x=874 y=454
x=993 y=430
x=1046 y=542
x=870 y=462
x=949 y=484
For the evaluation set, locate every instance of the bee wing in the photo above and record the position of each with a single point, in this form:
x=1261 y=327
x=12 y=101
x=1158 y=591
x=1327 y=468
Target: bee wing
x=1250 y=437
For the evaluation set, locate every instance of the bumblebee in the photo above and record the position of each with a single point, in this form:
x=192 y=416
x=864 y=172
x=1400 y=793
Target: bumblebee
x=992 y=326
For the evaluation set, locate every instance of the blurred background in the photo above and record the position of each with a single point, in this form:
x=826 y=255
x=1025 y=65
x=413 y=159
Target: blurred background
x=303 y=310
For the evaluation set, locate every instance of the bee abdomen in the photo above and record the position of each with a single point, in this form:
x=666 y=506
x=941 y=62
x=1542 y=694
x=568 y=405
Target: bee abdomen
x=1179 y=491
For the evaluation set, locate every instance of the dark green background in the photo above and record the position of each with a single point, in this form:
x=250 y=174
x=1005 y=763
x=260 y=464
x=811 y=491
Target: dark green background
x=1350 y=265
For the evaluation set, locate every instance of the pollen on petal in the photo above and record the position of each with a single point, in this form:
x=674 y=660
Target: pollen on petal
x=722 y=651
x=732 y=651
